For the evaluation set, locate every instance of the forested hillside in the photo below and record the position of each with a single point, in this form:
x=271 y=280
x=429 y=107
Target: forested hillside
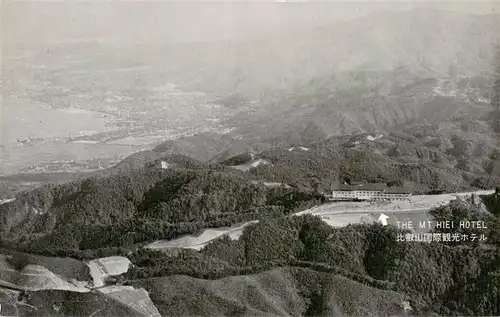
x=128 y=204
x=144 y=205
x=288 y=291
x=357 y=158
x=448 y=280
x=119 y=213
x=235 y=126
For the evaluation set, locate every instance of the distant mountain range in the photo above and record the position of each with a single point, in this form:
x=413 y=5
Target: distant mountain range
x=431 y=43
x=406 y=99
x=442 y=123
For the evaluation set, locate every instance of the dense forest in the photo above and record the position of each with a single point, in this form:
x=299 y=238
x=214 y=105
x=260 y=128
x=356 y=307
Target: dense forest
x=118 y=213
x=333 y=160
x=471 y=210
x=492 y=202
x=125 y=210
x=450 y=280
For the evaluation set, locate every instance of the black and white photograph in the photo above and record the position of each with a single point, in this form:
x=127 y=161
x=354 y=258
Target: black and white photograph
x=249 y=158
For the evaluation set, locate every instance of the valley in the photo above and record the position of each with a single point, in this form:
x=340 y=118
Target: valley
x=89 y=140
x=63 y=117
x=182 y=159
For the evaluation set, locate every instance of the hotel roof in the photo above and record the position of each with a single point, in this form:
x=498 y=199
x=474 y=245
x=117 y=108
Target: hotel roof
x=374 y=187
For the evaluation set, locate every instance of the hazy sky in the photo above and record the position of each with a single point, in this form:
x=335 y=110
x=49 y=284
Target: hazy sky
x=152 y=21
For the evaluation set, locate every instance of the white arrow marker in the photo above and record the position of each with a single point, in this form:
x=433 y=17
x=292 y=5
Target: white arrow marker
x=383 y=219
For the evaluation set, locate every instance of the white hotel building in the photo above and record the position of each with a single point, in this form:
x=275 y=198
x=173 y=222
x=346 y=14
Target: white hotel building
x=369 y=192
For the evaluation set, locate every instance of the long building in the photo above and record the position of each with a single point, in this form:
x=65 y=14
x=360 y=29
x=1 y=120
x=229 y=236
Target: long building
x=369 y=192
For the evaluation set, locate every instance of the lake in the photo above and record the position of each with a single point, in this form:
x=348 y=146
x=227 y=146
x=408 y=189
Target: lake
x=23 y=119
